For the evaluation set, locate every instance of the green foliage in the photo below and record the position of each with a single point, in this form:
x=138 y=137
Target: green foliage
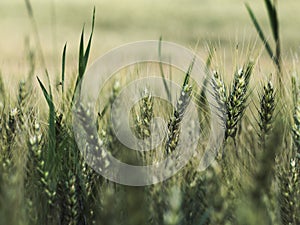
x=63 y=67
x=51 y=158
x=275 y=54
x=83 y=57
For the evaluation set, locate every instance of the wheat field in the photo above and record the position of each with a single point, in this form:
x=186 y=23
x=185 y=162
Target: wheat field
x=251 y=64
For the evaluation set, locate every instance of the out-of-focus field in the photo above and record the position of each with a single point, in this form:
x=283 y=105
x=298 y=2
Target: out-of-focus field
x=221 y=22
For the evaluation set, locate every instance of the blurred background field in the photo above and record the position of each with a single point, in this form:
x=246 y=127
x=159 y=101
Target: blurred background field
x=222 y=23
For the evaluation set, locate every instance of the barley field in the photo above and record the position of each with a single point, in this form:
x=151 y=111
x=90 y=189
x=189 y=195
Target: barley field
x=250 y=69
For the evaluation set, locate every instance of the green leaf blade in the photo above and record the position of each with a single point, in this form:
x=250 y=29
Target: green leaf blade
x=259 y=31
x=63 y=66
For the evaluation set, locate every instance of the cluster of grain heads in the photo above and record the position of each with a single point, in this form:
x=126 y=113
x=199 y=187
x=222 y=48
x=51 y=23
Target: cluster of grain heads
x=37 y=170
x=93 y=147
x=266 y=112
x=60 y=188
x=128 y=202
x=11 y=162
x=231 y=106
x=71 y=205
x=165 y=200
x=237 y=99
x=178 y=201
x=67 y=198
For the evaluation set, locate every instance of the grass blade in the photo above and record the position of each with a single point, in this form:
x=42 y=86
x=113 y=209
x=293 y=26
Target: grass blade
x=87 y=51
x=208 y=62
x=273 y=18
x=81 y=53
x=36 y=33
x=2 y=90
x=259 y=31
x=45 y=92
x=162 y=71
x=83 y=56
x=188 y=74
x=63 y=66
x=51 y=154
